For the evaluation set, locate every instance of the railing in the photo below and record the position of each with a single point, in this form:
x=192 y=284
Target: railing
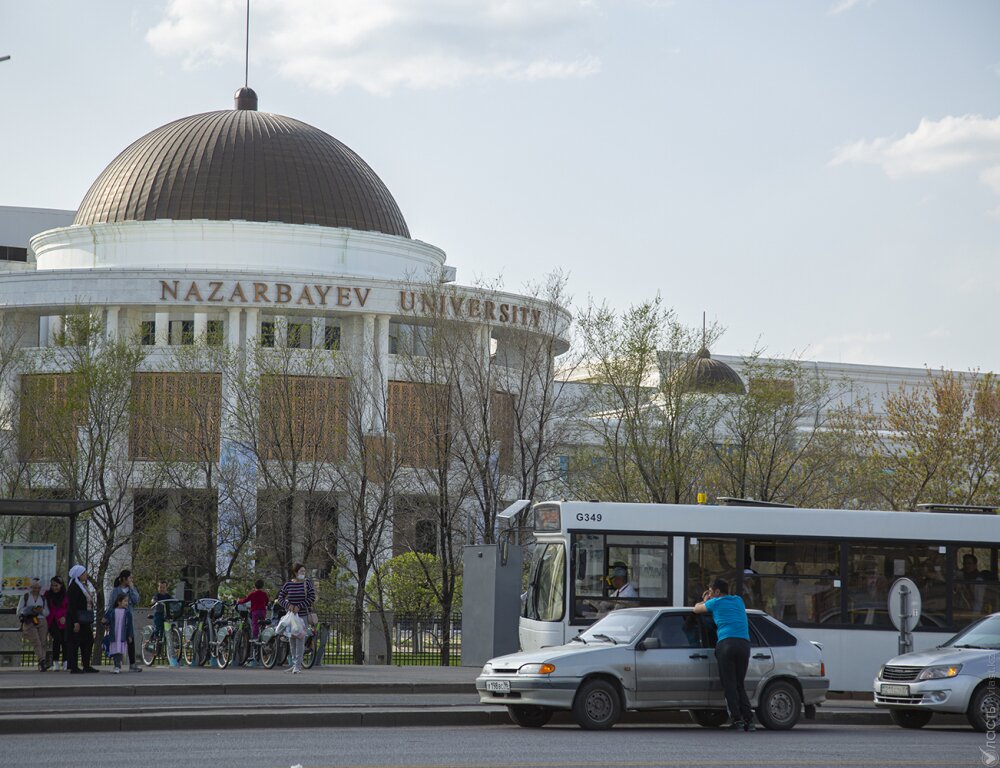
x=416 y=641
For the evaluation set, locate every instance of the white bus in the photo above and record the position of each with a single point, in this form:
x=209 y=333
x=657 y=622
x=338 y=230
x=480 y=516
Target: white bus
x=826 y=572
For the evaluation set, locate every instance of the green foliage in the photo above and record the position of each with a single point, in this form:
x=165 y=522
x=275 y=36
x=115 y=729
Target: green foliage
x=412 y=582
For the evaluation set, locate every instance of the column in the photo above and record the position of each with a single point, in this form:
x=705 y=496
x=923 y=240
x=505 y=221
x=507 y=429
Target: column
x=281 y=331
x=43 y=331
x=367 y=357
x=318 y=332
x=234 y=327
x=200 y=327
x=111 y=324
x=253 y=327
x=163 y=329
x=381 y=395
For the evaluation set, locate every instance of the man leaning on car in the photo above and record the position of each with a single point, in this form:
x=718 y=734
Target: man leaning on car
x=732 y=649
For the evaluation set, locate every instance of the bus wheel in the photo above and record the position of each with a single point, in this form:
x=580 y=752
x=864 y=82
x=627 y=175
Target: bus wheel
x=596 y=706
x=780 y=706
x=529 y=716
x=910 y=718
x=709 y=718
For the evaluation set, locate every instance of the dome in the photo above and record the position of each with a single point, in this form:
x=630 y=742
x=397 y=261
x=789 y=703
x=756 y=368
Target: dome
x=714 y=377
x=242 y=165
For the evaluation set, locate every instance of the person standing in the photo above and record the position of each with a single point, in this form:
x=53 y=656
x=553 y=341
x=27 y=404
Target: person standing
x=297 y=596
x=124 y=586
x=732 y=649
x=118 y=630
x=55 y=598
x=258 y=600
x=33 y=611
x=79 y=620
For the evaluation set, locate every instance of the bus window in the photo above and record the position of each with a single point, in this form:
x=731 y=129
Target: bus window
x=975 y=588
x=549 y=585
x=871 y=571
x=708 y=560
x=616 y=571
x=795 y=579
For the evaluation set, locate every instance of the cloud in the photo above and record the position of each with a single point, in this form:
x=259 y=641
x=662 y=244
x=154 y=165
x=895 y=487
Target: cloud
x=935 y=146
x=381 y=45
x=844 y=5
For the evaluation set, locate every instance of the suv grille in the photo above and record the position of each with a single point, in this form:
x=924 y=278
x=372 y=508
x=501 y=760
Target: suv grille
x=900 y=673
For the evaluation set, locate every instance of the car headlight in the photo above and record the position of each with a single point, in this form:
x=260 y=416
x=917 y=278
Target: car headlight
x=487 y=669
x=537 y=669
x=881 y=672
x=939 y=673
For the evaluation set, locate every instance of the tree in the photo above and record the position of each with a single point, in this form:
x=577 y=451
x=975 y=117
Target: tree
x=640 y=407
x=75 y=416
x=773 y=443
x=939 y=442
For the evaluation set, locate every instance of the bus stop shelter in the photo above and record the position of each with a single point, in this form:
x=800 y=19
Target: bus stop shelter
x=64 y=508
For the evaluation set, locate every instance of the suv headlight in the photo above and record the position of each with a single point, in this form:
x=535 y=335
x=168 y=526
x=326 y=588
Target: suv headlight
x=537 y=669
x=939 y=673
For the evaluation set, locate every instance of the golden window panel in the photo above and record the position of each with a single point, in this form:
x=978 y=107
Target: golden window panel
x=303 y=418
x=176 y=416
x=502 y=428
x=49 y=416
x=418 y=418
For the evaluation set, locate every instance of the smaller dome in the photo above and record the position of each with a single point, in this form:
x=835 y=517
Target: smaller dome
x=246 y=98
x=712 y=377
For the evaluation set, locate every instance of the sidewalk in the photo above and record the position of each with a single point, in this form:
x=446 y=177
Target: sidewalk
x=162 y=698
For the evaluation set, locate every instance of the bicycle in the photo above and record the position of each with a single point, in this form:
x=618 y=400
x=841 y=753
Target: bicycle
x=274 y=647
x=169 y=641
x=205 y=639
x=244 y=644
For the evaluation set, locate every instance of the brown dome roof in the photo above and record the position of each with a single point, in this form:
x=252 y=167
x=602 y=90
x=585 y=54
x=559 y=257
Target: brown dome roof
x=242 y=164
x=708 y=376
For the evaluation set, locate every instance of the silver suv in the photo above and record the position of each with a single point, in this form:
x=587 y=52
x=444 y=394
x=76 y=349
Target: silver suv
x=959 y=676
x=655 y=658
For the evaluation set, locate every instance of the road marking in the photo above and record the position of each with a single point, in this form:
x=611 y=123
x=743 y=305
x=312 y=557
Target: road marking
x=681 y=763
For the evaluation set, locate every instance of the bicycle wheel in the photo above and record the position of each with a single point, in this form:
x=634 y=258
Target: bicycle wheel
x=313 y=648
x=200 y=644
x=150 y=645
x=173 y=649
x=269 y=651
x=241 y=646
x=281 y=651
x=224 y=648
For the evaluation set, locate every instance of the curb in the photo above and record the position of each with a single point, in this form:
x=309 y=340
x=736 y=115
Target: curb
x=380 y=718
x=226 y=689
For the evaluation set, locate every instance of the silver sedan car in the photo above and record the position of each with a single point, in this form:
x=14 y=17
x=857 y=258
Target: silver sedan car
x=655 y=658
x=959 y=676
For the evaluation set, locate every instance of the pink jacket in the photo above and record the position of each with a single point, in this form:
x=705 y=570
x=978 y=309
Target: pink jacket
x=57 y=608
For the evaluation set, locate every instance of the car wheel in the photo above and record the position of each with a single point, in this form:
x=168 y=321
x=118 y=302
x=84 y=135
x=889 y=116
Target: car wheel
x=529 y=716
x=984 y=708
x=709 y=718
x=910 y=718
x=779 y=706
x=596 y=706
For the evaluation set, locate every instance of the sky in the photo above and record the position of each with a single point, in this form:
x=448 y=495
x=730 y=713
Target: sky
x=821 y=177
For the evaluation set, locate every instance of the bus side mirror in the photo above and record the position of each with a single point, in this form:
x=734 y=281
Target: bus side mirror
x=648 y=644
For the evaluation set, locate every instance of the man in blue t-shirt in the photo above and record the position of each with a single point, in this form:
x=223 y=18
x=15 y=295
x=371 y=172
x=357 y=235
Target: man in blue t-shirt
x=732 y=649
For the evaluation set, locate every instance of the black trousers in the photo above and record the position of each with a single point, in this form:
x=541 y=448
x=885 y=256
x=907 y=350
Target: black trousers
x=733 y=655
x=58 y=635
x=82 y=641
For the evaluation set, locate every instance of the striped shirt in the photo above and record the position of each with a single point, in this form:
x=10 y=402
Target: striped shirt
x=298 y=593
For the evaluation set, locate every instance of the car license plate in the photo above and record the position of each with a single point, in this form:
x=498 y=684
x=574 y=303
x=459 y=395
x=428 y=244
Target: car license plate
x=498 y=686
x=895 y=690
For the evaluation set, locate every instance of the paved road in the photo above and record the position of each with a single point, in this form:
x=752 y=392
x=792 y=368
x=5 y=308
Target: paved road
x=814 y=746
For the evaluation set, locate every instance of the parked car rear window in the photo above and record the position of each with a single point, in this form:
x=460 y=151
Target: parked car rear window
x=773 y=635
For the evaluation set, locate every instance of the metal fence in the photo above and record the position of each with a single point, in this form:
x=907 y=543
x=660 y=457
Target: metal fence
x=415 y=641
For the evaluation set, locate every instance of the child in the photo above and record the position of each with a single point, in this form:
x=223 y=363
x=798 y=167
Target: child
x=258 y=606
x=118 y=630
x=161 y=594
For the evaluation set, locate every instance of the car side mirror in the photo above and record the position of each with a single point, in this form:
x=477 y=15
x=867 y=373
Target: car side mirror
x=648 y=644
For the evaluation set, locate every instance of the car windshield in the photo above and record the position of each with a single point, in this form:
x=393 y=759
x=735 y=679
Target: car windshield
x=618 y=627
x=983 y=634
